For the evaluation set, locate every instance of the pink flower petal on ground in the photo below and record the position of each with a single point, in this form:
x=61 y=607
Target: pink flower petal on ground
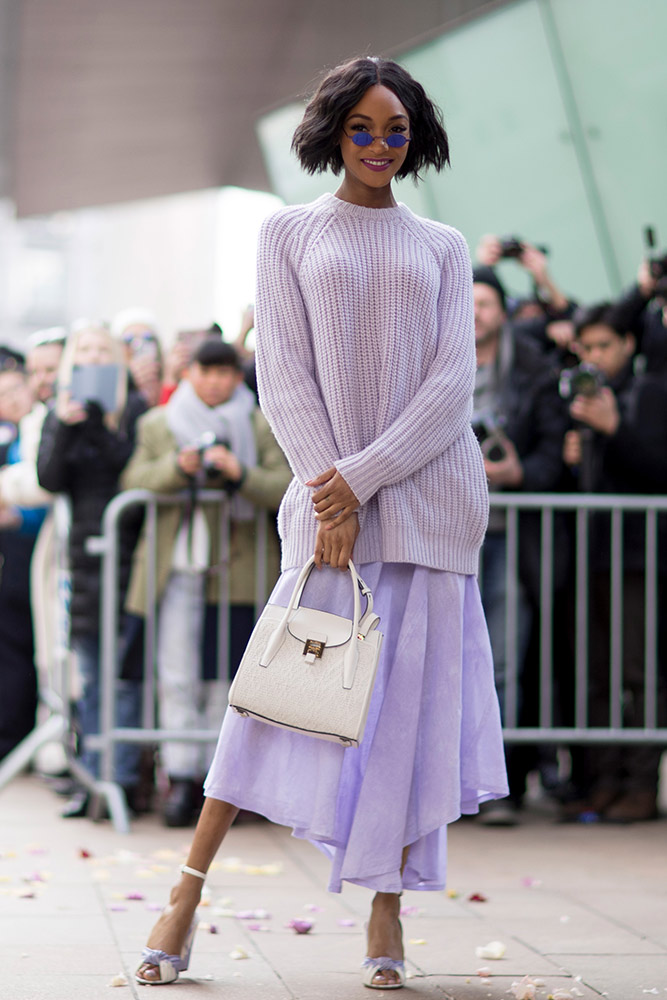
x=83 y=853
x=524 y=990
x=155 y=907
x=300 y=926
x=134 y=895
x=313 y=908
x=117 y=908
x=477 y=897
x=346 y=922
x=409 y=911
x=530 y=882
x=256 y=927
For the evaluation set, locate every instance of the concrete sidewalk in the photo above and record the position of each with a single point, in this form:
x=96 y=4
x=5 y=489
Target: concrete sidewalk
x=581 y=909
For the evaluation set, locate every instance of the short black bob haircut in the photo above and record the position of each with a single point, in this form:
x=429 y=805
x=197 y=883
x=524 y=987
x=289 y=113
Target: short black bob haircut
x=316 y=141
x=215 y=351
x=600 y=314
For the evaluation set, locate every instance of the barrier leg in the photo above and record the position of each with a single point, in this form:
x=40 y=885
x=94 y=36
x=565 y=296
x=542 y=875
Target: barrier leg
x=53 y=729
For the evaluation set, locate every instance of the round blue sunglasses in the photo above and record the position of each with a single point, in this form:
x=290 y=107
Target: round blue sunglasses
x=396 y=139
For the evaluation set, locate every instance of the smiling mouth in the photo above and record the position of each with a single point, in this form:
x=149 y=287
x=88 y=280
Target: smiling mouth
x=376 y=164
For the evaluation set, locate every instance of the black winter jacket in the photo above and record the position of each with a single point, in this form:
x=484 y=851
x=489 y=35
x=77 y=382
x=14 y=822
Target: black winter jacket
x=84 y=461
x=633 y=460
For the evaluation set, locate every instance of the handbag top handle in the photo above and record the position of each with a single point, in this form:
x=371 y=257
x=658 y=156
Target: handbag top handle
x=359 y=624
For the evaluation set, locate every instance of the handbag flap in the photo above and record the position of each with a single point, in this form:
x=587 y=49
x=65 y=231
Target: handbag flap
x=305 y=622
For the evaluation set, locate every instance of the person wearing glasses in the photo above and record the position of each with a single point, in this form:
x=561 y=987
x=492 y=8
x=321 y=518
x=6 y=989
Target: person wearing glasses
x=365 y=367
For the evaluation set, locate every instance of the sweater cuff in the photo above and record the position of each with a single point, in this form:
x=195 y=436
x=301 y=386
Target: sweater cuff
x=362 y=473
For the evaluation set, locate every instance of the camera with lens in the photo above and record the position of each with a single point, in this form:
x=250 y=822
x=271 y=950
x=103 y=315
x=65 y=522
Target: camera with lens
x=657 y=265
x=583 y=379
x=511 y=247
x=491 y=439
x=207 y=440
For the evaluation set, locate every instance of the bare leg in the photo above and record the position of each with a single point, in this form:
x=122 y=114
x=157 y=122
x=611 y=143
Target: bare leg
x=385 y=934
x=172 y=927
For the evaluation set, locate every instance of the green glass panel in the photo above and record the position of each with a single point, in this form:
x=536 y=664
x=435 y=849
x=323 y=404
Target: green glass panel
x=614 y=53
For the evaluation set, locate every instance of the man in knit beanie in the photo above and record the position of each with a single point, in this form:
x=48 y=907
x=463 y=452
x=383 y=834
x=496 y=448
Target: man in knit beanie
x=520 y=422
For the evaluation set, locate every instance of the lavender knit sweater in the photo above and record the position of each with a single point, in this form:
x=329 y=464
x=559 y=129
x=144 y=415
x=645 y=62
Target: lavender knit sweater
x=366 y=362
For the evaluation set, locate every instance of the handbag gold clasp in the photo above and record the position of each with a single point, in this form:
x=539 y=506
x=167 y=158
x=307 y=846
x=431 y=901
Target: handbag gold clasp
x=313 y=647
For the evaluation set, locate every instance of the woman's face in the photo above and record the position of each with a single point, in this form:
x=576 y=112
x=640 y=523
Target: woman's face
x=379 y=112
x=93 y=348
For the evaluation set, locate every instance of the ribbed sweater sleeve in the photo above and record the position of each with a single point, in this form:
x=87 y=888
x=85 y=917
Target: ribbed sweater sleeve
x=289 y=394
x=440 y=410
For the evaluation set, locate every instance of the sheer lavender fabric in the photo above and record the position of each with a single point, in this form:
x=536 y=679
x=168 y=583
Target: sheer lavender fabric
x=432 y=748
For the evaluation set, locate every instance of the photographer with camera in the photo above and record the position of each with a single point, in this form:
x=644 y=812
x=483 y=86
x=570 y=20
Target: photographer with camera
x=520 y=422
x=548 y=302
x=643 y=309
x=211 y=434
x=625 y=415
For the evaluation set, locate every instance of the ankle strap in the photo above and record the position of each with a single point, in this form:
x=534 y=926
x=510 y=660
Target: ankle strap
x=193 y=871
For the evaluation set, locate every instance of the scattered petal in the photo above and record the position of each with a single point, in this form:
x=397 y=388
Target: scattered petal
x=117 y=908
x=484 y=973
x=346 y=922
x=135 y=895
x=36 y=877
x=565 y=919
x=452 y=894
x=477 y=897
x=418 y=941
x=523 y=990
x=530 y=882
x=493 y=950
x=313 y=908
x=118 y=980
x=654 y=990
x=220 y=911
x=300 y=926
x=26 y=894
x=36 y=849
x=239 y=953
x=156 y=907
x=409 y=911
x=256 y=927
x=83 y=853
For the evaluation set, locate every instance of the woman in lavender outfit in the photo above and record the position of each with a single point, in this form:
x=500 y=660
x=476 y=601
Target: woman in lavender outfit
x=365 y=365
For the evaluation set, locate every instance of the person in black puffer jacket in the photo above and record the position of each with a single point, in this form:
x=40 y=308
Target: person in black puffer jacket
x=82 y=452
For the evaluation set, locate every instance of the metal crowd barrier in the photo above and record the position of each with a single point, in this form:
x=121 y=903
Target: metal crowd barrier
x=53 y=715
x=108 y=548
x=547 y=728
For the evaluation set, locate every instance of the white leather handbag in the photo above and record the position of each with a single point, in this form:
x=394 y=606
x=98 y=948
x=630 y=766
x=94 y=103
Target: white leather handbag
x=311 y=671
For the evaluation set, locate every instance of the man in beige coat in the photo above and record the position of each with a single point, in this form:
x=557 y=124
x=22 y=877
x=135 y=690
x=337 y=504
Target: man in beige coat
x=211 y=434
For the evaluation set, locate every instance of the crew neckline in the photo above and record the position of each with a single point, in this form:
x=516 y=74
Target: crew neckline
x=350 y=208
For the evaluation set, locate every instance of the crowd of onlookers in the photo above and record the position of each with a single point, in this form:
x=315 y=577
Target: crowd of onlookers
x=567 y=398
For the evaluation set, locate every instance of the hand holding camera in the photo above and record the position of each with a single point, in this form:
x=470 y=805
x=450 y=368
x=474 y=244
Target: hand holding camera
x=599 y=411
x=189 y=460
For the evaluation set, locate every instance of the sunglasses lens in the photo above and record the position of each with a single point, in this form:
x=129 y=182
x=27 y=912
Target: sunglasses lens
x=396 y=140
x=362 y=138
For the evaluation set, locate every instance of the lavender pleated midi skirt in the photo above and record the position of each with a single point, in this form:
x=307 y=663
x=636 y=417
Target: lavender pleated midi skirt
x=432 y=748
